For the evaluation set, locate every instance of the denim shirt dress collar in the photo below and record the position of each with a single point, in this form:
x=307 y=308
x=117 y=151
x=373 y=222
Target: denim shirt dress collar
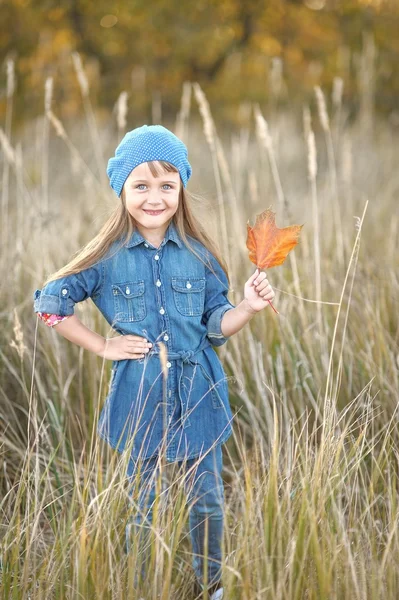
x=168 y=296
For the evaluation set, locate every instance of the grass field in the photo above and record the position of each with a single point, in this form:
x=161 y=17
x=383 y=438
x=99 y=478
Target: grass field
x=311 y=472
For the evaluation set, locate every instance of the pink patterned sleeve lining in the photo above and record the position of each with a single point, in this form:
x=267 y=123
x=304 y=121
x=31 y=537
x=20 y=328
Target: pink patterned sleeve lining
x=52 y=320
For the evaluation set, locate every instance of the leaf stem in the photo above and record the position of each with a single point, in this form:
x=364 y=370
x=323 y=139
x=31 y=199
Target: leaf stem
x=275 y=310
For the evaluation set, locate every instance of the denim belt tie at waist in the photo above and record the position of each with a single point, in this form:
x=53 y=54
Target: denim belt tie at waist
x=184 y=357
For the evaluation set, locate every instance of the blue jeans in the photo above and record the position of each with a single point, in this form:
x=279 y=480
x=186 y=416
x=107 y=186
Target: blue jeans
x=205 y=494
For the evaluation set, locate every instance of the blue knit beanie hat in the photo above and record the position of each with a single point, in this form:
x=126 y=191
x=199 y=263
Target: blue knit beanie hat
x=149 y=142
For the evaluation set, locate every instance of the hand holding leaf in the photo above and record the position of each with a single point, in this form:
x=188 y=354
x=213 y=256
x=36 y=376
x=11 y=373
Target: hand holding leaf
x=268 y=244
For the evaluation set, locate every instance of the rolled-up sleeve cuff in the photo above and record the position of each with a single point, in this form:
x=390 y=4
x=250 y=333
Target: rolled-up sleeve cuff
x=215 y=334
x=48 y=303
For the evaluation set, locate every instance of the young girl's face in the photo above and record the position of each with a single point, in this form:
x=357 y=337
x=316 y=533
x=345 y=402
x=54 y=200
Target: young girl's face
x=152 y=201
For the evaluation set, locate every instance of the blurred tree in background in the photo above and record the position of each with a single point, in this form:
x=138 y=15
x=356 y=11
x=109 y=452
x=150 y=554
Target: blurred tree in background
x=237 y=50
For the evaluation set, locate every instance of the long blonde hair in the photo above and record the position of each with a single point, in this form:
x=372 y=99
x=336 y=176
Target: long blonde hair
x=120 y=225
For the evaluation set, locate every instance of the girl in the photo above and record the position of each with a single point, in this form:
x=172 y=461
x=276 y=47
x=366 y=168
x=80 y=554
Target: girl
x=159 y=281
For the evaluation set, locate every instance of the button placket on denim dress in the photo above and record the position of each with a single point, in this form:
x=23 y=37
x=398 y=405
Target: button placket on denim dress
x=166 y=295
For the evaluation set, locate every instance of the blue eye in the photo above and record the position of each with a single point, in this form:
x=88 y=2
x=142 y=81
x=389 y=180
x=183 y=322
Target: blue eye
x=143 y=184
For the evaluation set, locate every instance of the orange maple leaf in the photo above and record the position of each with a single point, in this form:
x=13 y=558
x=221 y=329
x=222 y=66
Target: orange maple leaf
x=268 y=244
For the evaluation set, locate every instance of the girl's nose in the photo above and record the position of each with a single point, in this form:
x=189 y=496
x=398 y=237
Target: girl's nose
x=154 y=198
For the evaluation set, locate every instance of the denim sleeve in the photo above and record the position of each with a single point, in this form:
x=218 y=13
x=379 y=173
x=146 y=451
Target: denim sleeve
x=216 y=302
x=59 y=296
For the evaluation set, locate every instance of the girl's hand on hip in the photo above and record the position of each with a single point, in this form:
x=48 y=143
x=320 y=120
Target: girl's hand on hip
x=122 y=347
x=257 y=291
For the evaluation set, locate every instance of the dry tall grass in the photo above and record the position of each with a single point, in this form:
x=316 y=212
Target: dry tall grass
x=311 y=472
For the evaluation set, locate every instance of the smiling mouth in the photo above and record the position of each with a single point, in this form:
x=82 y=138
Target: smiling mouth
x=153 y=212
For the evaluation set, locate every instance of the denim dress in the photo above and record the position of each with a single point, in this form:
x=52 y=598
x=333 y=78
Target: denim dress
x=166 y=295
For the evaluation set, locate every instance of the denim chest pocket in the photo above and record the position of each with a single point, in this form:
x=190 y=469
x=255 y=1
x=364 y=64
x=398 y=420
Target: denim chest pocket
x=129 y=301
x=189 y=295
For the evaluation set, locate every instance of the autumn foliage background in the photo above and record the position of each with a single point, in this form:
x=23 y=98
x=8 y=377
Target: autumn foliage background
x=289 y=104
x=150 y=48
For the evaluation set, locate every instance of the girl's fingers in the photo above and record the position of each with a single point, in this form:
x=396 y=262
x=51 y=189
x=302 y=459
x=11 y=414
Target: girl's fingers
x=269 y=293
x=251 y=279
x=268 y=290
x=262 y=285
x=137 y=352
x=262 y=279
x=140 y=345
